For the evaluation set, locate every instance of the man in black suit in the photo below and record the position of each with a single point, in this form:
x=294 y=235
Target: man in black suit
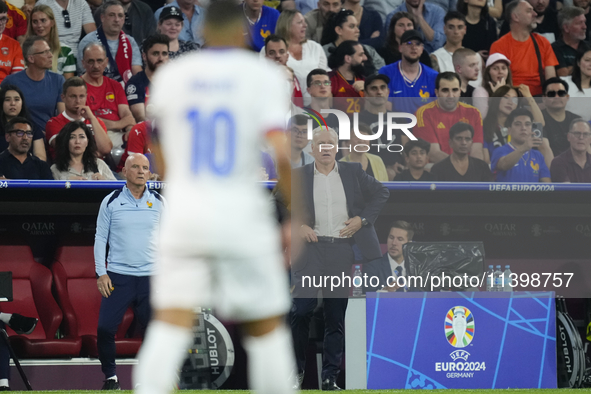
x=339 y=204
x=392 y=262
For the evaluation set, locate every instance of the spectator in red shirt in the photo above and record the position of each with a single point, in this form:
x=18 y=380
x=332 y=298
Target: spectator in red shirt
x=347 y=78
x=106 y=97
x=16 y=27
x=435 y=119
x=518 y=46
x=138 y=142
x=74 y=95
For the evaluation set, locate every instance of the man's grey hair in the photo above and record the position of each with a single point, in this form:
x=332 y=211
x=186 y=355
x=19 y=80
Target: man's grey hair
x=578 y=120
x=567 y=14
x=93 y=44
x=28 y=45
x=510 y=9
x=109 y=3
x=318 y=130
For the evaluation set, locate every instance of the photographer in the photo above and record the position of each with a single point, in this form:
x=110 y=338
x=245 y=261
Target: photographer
x=517 y=161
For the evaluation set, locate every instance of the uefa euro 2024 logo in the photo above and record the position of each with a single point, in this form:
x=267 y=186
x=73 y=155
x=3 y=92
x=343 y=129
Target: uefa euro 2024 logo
x=459 y=326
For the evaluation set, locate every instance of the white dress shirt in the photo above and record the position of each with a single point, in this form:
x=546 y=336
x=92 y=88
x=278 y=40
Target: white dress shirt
x=394 y=265
x=330 y=203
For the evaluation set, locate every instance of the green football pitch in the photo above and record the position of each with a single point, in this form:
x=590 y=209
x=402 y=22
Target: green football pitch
x=497 y=391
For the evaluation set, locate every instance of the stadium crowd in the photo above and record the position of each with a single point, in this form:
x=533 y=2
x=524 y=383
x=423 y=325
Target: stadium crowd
x=485 y=63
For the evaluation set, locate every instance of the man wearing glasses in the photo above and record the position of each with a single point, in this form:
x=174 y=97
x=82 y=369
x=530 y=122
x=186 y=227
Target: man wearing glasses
x=11 y=56
x=557 y=119
x=16 y=162
x=42 y=89
x=298 y=131
x=574 y=165
x=71 y=17
x=319 y=87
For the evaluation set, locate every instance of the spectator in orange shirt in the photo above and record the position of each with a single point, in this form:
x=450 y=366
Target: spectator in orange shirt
x=11 y=55
x=518 y=46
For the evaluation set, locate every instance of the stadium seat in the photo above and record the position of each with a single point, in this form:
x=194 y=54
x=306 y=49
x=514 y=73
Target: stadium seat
x=31 y=284
x=77 y=294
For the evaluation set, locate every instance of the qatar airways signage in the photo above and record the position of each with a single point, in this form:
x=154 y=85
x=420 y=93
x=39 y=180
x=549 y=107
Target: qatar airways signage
x=345 y=129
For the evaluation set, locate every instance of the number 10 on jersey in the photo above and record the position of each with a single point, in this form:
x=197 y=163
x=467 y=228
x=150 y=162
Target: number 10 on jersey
x=213 y=141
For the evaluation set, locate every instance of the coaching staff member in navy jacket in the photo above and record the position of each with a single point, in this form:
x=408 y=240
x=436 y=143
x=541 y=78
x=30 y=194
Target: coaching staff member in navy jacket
x=340 y=203
x=128 y=220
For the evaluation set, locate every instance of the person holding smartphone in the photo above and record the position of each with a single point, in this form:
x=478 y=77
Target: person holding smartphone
x=518 y=161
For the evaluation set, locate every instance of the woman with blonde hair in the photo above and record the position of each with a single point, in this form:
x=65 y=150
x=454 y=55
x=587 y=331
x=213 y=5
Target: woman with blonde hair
x=42 y=24
x=304 y=55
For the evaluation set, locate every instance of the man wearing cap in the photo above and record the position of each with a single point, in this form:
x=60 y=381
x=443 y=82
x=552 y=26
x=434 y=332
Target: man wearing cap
x=261 y=20
x=430 y=21
x=123 y=53
x=193 y=16
x=435 y=119
x=376 y=107
x=518 y=46
x=408 y=77
x=139 y=19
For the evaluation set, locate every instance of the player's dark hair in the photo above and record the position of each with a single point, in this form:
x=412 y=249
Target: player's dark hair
x=24 y=111
x=316 y=71
x=337 y=57
x=553 y=80
x=274 y=38
x=420 y=143
x=3 y=7
x=222 y=13
x=406 y=226
x=454 y=15
x=74 y=82
x=515 y=113
x=109 y=3
x=62 y=148
x=17 y=120
x=448 y=76
x=334 y=20
x=459 y=128
x=154 y=39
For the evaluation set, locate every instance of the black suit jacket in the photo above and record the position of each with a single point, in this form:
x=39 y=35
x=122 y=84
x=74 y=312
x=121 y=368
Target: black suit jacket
x=365 y=198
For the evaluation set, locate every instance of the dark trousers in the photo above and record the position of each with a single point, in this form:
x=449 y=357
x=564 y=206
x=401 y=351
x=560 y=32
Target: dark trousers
x=4 y=357
x=319 y=259
x=129 y=290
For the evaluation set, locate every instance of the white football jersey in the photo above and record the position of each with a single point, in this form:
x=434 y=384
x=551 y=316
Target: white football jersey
x=213 y=109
